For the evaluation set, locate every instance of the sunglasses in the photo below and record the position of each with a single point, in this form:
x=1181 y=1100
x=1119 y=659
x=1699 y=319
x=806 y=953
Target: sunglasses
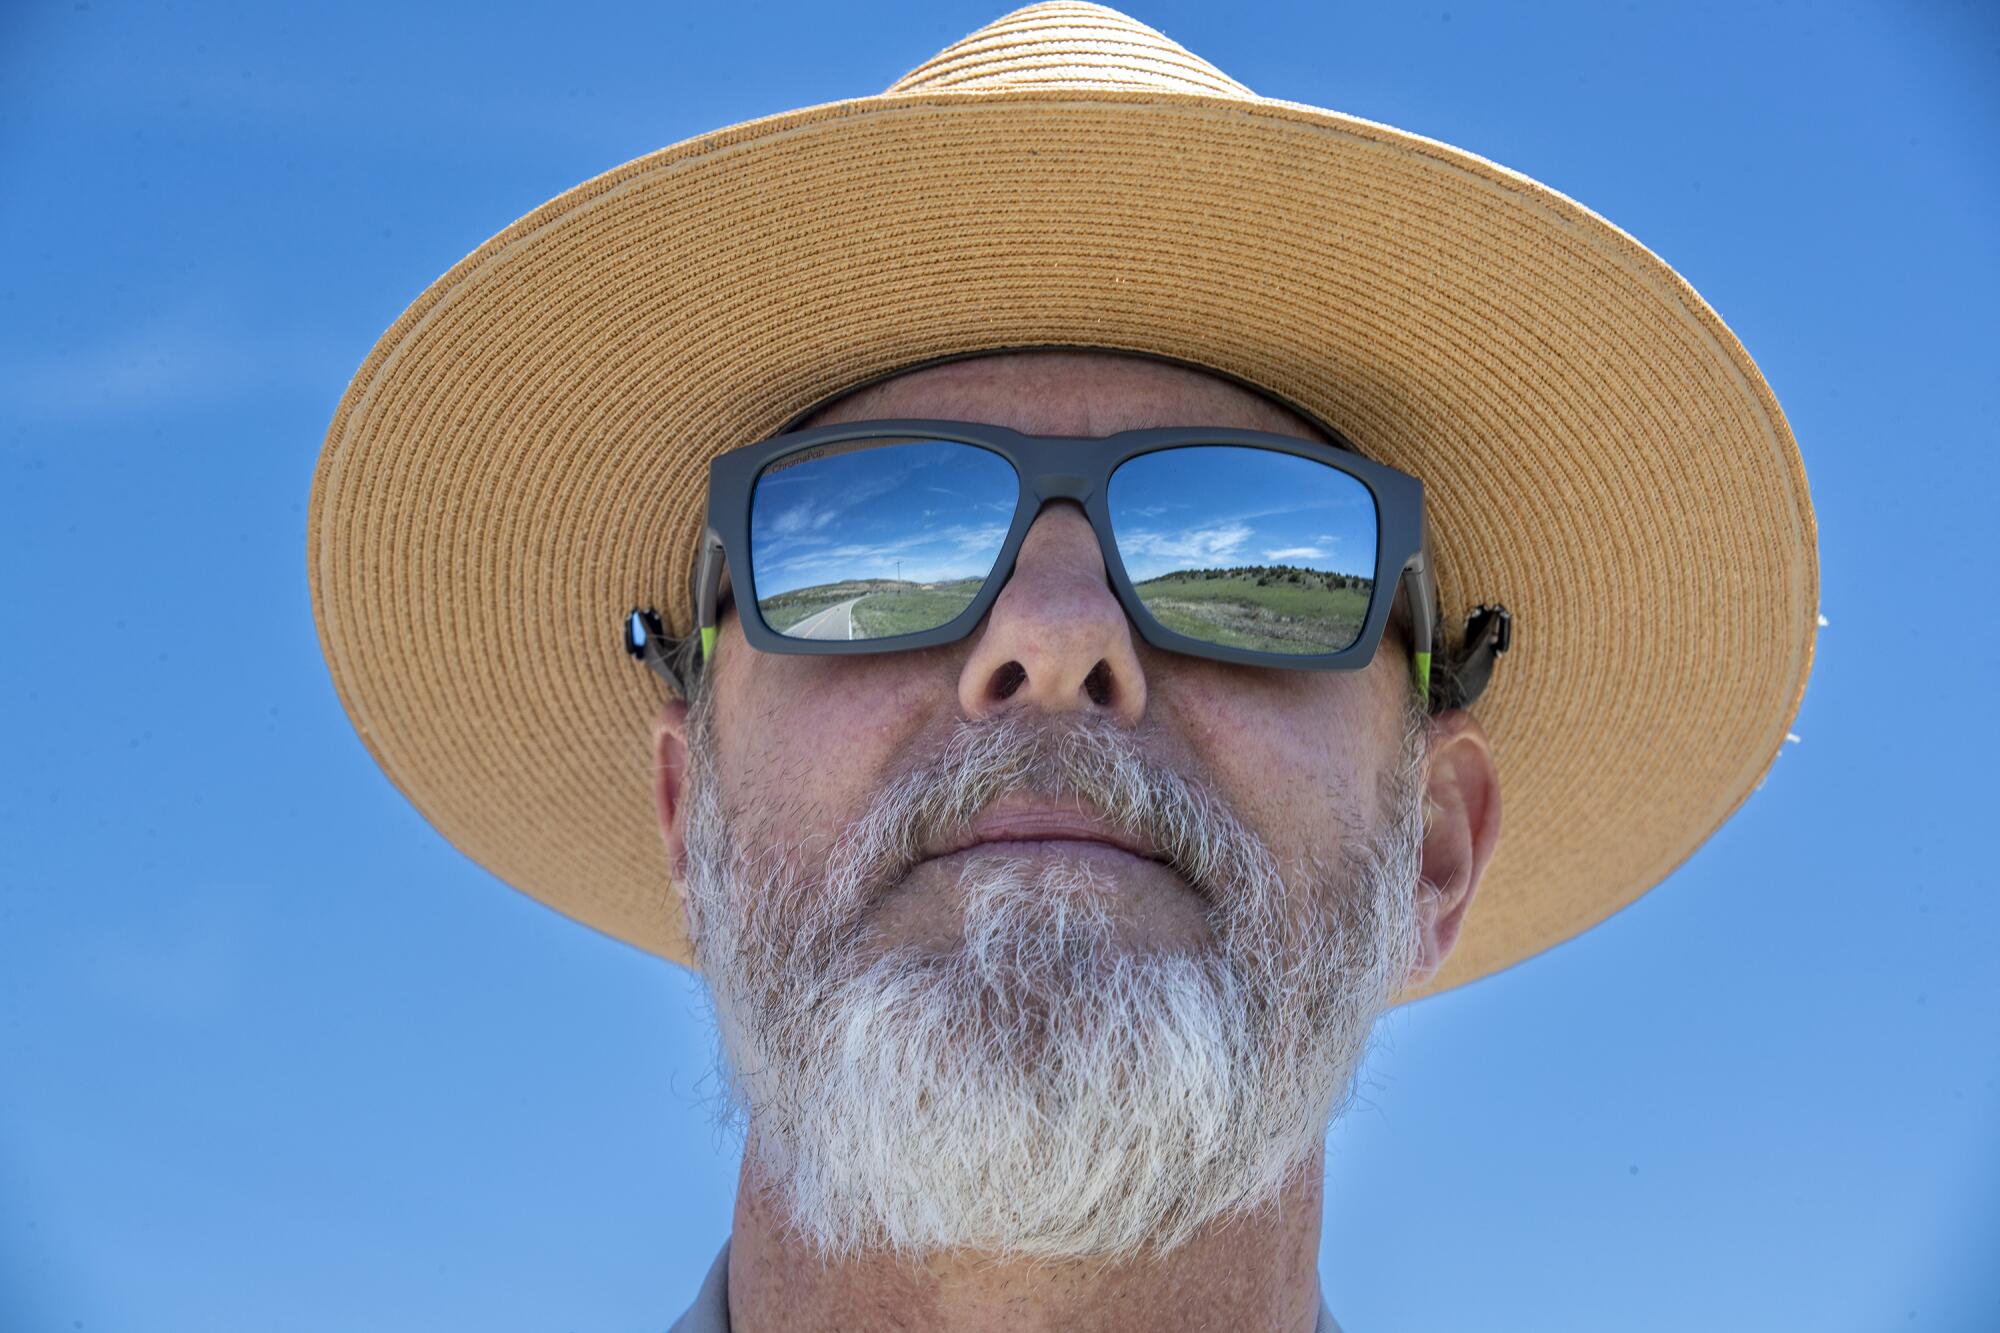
x=1235 y=545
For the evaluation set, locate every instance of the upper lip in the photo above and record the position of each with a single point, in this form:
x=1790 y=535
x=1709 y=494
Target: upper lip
x=1029 y=820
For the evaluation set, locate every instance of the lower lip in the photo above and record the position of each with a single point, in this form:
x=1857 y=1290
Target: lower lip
x=1123 y=867
x=1123 y=872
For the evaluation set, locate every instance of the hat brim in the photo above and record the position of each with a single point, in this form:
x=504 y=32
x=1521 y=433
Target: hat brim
x=522 y=457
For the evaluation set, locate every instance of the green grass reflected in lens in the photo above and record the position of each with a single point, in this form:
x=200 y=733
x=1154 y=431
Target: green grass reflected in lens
x=1271 y=608
x=785 y=611
x=867 y=608
x=912 y=609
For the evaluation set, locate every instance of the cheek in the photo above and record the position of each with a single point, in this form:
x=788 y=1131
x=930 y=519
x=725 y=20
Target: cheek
x=1294 y=753
x=802 y=741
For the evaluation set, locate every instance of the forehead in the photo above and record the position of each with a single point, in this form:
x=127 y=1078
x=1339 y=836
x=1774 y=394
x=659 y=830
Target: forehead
x=1066 y=393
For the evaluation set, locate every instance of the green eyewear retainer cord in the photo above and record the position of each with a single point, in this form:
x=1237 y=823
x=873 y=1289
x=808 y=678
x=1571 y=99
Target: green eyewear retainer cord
x=1423 y=617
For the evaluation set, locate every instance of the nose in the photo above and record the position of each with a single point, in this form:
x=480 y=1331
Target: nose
x=1056 y=638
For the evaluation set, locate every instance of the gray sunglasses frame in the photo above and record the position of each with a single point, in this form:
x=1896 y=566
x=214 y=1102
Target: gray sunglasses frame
x=1061 y=467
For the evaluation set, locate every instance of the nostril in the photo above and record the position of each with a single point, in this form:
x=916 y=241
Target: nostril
x=1008 y=679
x=1098 y=683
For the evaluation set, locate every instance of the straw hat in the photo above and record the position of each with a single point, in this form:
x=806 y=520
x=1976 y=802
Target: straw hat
x=523 y=456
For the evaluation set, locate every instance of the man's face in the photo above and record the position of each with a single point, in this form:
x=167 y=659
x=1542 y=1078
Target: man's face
x=1048 y=904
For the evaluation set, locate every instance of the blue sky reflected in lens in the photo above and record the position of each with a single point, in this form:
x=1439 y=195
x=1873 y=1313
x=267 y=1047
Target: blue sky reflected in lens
x=919 y=512
x=1221 y=507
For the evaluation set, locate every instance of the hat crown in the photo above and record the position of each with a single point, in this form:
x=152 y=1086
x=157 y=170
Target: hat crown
x=1068 y=44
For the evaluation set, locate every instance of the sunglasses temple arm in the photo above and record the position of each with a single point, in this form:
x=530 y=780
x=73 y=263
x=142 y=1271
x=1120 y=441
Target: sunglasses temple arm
x=1423 y=619
x=708 y=587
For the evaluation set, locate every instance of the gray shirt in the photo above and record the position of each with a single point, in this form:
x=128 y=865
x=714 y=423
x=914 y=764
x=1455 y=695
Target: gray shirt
x=710 y=1311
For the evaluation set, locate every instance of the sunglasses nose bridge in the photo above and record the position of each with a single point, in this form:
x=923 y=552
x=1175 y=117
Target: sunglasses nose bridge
x=1063 y=486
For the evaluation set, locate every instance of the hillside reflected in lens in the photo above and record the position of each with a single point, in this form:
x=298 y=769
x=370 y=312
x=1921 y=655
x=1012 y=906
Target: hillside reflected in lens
x=1247 y=548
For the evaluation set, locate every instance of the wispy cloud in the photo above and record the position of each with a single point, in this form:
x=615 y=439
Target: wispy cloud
x=1219 y=545
x=805 y=517
x=927 y=557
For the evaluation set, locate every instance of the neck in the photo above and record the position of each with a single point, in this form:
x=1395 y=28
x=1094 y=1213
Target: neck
x=1256 y=1270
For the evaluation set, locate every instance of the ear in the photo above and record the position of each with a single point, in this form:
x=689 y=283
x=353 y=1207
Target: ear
x=670 y=757
x=1461 y=829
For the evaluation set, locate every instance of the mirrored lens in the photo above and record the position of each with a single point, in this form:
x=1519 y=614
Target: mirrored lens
x=1247 y=547
x=871 y=539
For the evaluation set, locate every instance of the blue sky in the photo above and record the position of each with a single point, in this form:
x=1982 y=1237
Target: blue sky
x=921 y=510
x=275 y=1055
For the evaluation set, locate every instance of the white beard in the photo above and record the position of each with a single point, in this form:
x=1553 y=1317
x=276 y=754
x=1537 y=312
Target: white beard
x=1044 y=1089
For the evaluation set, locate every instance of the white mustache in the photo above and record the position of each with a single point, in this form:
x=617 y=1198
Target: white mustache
x=1094 y=764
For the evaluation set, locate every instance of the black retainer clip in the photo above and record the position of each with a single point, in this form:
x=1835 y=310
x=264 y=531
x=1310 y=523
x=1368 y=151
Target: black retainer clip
x=1489 y=632
x=646 y=640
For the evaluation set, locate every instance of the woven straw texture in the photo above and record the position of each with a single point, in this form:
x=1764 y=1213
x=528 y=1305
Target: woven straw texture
x=523 y=455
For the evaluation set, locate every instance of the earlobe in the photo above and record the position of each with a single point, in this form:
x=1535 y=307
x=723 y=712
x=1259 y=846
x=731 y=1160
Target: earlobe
x=670 y=756
x=1462 y=797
